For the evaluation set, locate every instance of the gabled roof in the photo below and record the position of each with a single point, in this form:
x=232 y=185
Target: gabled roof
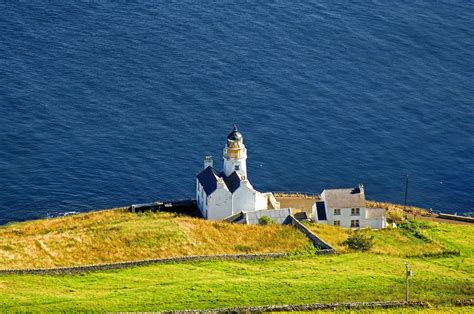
x=232 y=182
x=344 y=198
x=208 y=179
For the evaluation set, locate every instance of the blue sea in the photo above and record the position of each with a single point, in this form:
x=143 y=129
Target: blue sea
x=108 y=104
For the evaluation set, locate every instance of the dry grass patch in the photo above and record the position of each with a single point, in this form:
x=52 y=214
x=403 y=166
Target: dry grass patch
x=331 y=234
x=116 y=235
x=397 y=212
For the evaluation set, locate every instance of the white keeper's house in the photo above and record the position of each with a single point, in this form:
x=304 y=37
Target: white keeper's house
x=220 y=194
x=347 y=208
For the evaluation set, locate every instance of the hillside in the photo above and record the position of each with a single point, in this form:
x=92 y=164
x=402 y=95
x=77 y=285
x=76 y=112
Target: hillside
x=412 y=238
x=204 y=285
x=117 y=235
x=441 y=256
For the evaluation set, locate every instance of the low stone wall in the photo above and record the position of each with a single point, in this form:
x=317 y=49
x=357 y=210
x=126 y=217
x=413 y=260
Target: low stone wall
x=318 y=242
x=120 y=265
x=311 y=307
x=467 y=302
x=234 y=217
x=456 y=217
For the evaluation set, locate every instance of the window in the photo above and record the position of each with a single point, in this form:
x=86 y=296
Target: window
x=237 y=167
x=337 y=222
x=355 y=224
x=355 y=211
x=337 y=211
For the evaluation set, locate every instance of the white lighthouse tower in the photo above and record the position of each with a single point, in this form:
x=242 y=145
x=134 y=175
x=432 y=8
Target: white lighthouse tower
x=235 y=155
x=220 y=194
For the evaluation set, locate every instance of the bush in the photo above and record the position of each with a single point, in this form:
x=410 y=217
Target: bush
x=359 y=242
x=264 y=220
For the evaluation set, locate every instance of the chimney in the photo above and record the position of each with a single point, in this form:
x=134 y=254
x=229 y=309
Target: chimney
x=361 y=188
x=208 y=162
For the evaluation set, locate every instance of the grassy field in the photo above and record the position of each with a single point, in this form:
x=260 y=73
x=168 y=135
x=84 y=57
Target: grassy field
x=204 y=285
x=117 y=235
x=441 y=256
x=299 y=279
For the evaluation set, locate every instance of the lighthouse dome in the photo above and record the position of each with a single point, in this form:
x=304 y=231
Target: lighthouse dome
x=235 y=135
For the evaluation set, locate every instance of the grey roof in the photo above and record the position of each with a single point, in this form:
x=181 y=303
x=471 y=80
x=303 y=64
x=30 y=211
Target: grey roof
x=344 y=198
x=208 y=179
x=232 y=182
x=209 y=176
x=321 y=210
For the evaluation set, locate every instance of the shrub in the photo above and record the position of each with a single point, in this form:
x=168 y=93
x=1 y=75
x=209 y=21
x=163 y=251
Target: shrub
x=264 y=220
x=359 y=241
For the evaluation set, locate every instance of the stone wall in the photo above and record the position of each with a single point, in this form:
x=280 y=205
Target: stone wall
x=312 y=307
x=318 y=242
x=111 y=266
x=456 y=217
x=235 y=217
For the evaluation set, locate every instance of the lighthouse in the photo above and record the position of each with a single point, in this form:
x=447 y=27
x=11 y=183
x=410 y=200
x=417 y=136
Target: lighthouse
x=235 y=154
x=220 y=194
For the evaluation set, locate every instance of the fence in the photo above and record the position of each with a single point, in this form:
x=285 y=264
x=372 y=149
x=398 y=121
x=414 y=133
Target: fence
x=120 y=265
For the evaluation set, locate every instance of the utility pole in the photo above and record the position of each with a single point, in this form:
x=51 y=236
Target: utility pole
x=408 y=274
x=406 y=194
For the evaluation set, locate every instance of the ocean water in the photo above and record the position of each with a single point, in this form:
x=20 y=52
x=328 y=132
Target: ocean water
x=106 y=104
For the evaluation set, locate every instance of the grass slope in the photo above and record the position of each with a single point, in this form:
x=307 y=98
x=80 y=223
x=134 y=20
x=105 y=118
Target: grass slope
x=116 y=235
x=204 y=285
x=411 y=238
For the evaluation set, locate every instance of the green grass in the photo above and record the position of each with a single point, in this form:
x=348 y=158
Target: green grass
x=205 y=285
x=374 y=276
x=412 y=238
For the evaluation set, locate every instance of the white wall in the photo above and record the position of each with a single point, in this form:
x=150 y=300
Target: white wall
x=376 y=218
x=229 y=166
x=243 y=199
x=377 y=223
x=261 y=201
x=345 y=217
x=276 y=215
x=200 y=198
x=315 y=213
x=219 y=203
